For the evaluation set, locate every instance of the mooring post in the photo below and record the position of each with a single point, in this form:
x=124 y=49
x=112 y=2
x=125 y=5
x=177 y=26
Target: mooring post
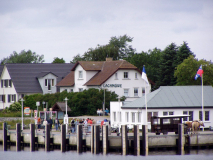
x=145 y=140
x=92 y=139
x=96 y=139
x=79 y=138
x=18 y=137
x=105 y=139
x=63 y=138
x=47 y=137
x=180 y=139
x=32 y=137
x=136 y=140
x=4 y=136
x=124 y=139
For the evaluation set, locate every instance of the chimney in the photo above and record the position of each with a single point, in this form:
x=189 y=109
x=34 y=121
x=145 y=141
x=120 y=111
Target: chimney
x=109 y=59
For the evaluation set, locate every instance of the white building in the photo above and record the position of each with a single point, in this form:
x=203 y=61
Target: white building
x=167 y=100
x=22 y=79
x=119 y=76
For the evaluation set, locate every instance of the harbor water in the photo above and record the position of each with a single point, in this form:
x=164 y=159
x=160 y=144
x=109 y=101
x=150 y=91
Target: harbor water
x=40 y=154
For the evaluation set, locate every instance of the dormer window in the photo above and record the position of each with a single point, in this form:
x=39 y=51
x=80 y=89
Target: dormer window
x=49 y=83
x=80 y=76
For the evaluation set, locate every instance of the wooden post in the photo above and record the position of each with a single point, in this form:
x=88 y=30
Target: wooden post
x=63 y=138
x=180 y=139
x=124 y=139
x=4 y=136
x=105 y=139
x=145 y=140
x=47 y=137
x=96 y=139
x=32 y=137
x=18 y=137
x=79 y=138
x=92 y=139
x=136 y=140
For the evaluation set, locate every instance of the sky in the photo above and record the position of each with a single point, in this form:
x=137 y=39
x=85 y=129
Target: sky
x=66 y=28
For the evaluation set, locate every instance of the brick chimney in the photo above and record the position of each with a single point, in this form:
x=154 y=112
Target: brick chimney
x=109 y=59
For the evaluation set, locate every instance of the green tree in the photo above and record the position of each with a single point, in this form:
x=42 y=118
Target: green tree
x=187 y=70
x=58 y=60
x=23 y=57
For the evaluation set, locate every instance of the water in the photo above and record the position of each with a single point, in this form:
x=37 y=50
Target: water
x=206 y=154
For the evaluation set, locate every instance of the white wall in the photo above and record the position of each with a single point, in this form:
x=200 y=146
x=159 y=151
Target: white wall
x=7 y=90
x=116 y=107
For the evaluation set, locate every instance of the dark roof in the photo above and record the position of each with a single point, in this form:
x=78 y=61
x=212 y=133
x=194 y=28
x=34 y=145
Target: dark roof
x=1 y=69
x=24 y=76
x=175 y=97
x=42 y=74
x=60 y=106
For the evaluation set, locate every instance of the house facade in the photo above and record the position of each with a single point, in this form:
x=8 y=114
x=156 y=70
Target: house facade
x=120 y=77
x=18 y=80
x=167 y=100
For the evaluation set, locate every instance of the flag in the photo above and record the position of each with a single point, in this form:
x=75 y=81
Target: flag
x=199 y=73
x=144 y=77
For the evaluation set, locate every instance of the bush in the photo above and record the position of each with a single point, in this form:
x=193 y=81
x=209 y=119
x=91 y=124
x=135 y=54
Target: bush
x=15 y=107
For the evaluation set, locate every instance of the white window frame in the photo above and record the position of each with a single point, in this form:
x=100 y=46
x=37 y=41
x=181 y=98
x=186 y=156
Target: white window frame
x=127 y=116
x=116 y=76
x=71 y=90
x=126 y=75
x=80 y=89
x=143 y=91
x=119 y=117
x=136 y=75
x=133 y=117
x=80 y=74
x=126 y=89
x=135 y=94
x=139 y=117
x=114 y=116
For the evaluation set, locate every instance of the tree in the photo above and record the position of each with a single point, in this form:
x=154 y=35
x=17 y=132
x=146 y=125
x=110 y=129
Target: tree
x=117 y=48
x=23 y=57
x=187 y=70
x=58 y=60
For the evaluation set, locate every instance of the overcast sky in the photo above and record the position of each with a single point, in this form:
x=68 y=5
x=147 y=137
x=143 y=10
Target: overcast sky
x=64 y=28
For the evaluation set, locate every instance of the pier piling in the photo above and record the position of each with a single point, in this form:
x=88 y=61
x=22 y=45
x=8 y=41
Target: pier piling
x=96 y=139
x=63 y=138
x=105 y=139
x=79 y=138
x=145 y=140
x=136 y=140
x=4 y=136
x=124 y=139
x=180 y=139
x=47 y=137
x=32 y=137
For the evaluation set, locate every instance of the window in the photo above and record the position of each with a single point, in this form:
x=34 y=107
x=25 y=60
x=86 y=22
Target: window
x=127 y=116
x=133 y=116
x=119 y=116
x=188 y=118
x=135 y=92
x=139 y=117
x=150 y=114
x=165 y=113
x=80 y=75
x=114 y=116
x=125 y=75
x=206 y=115
x=80 y=89
x=126 y=92
x=6 y=83
x=49 y=83
x=71 y=90
x=143 y=91
x=116 y=75
x=200 y=115
x=136 y=75
x=2 y=98
x=11 y=97
x=2 y=83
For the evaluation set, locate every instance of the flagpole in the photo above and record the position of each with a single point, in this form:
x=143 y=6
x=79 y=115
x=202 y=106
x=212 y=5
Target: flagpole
x=146 y=106
x=202 y=101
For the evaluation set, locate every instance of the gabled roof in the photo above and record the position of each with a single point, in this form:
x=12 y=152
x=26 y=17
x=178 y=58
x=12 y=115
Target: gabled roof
x=42 y=74
x=24 y=75
x=175 y=97
x=68 y=80
x=60 y=106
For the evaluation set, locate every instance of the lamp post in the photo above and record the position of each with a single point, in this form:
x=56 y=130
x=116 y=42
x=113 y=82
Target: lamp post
x=104 y=104
x=37 y=104
x=22 y=113
x=66 y=116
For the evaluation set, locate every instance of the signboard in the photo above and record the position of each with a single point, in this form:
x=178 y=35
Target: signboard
x=27 y=111
x=113 y=85
x=65 y=120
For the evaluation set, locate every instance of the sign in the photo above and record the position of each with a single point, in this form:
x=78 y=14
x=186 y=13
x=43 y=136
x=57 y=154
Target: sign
x=27 y=111
x=65 y=120
x=113 y=85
